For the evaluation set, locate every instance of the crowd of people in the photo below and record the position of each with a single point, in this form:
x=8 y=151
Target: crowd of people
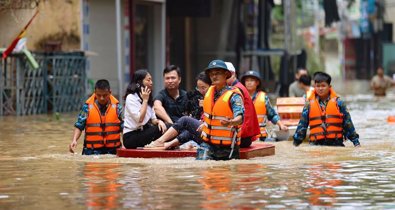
x=220 y=116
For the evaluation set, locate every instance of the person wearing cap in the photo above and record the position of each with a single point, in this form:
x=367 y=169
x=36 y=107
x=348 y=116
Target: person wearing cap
x=252 y=81
x=250 y=127
x=223 y=112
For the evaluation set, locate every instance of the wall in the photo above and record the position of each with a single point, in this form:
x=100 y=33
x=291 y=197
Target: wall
x=58 y=20
x=102 y=41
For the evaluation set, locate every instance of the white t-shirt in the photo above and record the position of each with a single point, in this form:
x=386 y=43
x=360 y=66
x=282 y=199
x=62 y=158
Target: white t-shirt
x=132 y=113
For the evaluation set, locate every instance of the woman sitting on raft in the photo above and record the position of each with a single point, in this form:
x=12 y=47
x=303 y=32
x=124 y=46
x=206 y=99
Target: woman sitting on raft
x=140 y=124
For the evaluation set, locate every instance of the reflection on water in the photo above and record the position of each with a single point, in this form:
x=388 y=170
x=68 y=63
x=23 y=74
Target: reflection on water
x=101 y=185
x=38 y=172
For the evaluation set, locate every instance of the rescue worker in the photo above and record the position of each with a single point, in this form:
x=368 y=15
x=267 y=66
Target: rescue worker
x=101 y=118
x=223 y=112
x=250 y=127
x=326 y=115
x=264 y=110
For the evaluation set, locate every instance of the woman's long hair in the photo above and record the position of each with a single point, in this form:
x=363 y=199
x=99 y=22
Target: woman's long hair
x=136 y=84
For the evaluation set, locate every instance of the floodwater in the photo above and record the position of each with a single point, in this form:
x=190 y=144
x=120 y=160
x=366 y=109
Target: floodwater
x=37 y=172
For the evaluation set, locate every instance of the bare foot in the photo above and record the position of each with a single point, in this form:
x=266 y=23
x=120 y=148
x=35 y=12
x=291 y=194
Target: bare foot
x=172 y=143
x=154 y=144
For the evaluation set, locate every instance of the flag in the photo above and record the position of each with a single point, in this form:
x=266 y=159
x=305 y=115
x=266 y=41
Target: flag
x=20 y=36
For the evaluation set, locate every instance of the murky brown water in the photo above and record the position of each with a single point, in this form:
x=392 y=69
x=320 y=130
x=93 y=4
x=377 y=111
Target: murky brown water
x=37 y=172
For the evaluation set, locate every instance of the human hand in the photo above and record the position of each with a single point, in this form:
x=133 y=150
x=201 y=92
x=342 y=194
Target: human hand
x=200 y=128
x=283 y=128
x=145 y=92
x=162 y=126
x=200 y=102
x=297 y=143
x=73 y=146
x=226 y=122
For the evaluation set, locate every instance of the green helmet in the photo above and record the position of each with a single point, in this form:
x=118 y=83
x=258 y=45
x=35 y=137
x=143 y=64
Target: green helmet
x=217 y=64
x=251 y=73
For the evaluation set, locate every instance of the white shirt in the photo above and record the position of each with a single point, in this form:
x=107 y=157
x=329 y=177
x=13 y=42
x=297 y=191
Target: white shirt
x=132 y=113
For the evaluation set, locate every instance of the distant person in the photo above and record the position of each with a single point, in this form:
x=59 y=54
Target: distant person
x=195 y=97
x=326 y=115
x=294 y=89
x=380 y=82
x=305 y=84
x=250 y=127
x=170 y=103
x=140 y=123
x=101 y=118
x=264 y=110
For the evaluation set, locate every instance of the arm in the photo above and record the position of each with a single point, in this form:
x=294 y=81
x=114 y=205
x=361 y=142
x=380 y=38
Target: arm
x=76 y=136
x=145 y=93
x=291 y=90
x=161 y=112
x=373 y=84
x=270 y=112
x=79 y=127
x=273 y=116
x=161 y=125
x=134 y=107
x=348 y=126
x=121 y=125
x=236 y=103
x=301 y=130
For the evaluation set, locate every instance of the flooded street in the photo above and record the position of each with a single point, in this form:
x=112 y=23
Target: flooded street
x=37 y=172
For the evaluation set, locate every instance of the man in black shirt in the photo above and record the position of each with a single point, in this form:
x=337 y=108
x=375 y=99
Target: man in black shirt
x=170 y=103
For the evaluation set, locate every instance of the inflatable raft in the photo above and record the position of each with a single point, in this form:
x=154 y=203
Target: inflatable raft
x=257 y=149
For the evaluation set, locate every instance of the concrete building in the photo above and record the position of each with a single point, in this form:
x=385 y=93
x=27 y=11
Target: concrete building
x=127 y=35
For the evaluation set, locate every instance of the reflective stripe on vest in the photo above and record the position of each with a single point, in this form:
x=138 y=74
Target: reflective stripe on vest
x=328 y=123
x=213 y=131
x=102 y=131
x=260 y=109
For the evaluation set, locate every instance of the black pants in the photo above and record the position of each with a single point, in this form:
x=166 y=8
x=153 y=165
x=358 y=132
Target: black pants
x=140 y=138
x=99 y=151
x=245 y=142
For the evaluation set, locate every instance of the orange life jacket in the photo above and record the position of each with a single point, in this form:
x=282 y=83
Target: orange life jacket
x=260 y=109
x=213 y=131
x=325 y=124
x=102 y=131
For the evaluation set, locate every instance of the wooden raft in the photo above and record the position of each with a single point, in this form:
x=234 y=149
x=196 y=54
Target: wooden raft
x=290 y=110
x=257 y=149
